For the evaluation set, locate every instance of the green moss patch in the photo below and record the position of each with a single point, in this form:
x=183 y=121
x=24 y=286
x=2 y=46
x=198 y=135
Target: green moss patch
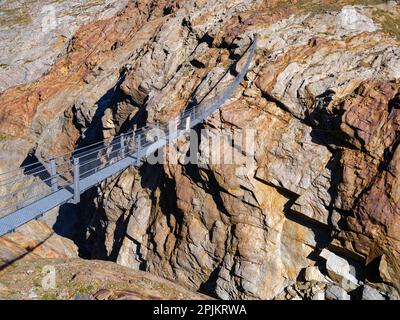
x=390 y=21
x=5 y=137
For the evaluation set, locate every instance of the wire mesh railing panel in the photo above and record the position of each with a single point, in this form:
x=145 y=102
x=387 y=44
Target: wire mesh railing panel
x=32 y=185
x=23 y=195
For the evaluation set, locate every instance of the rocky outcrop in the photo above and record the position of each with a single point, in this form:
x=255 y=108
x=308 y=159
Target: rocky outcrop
x=312 y=213
x=78 y=279
x=248 y=235
x=24 y=58
x=46 y=117
x=34 y=241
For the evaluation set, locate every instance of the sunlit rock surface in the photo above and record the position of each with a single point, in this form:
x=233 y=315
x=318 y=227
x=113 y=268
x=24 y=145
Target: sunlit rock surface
x=322 y=95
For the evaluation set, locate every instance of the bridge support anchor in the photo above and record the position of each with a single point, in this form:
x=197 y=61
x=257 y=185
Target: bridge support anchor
x=53 y=174
x=77 y=191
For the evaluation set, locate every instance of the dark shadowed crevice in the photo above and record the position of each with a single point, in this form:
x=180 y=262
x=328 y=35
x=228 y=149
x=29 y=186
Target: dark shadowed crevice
x=96 y=229
x=279 y=103
x=167 y=10
x=29 y=160
x=394 y=103
x=207 y=39
x=209 y=287
x=93 y=132
x=70 y=224
x=30 y=249
x=389 y=153
x=197 y=64
x=336 y=176
x=73 y=222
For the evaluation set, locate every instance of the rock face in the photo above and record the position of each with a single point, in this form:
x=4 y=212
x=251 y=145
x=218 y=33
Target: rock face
x=322 y=99
x=34 y=33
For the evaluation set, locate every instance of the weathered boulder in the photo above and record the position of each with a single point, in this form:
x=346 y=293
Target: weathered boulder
x=33 y=241
x=339 y=270
x=313 y=274
x=370 y=293
x=320 y=295
x=336 y=293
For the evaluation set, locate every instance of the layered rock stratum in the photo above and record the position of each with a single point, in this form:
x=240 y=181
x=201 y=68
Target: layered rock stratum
x=312 y=214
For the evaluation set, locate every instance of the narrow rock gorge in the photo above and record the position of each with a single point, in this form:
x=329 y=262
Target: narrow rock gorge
x=312 y=213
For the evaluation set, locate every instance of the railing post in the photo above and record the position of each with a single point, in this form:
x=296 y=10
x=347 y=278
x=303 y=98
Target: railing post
x=171 y=129
x=123 y=145
x=53 y=174
x=188 y=123
x=77 y=191
x=193 y=114
x=138 y=147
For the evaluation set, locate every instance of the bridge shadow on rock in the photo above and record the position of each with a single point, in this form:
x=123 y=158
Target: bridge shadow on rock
x=29 y=250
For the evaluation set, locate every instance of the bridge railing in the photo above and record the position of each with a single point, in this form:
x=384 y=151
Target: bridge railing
x=24 y=186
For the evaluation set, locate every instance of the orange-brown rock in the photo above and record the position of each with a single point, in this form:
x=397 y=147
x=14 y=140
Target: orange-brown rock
x=370 y=119
x=36 y=111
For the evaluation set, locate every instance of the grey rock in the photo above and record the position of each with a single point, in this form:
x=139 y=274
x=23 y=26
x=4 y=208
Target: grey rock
x=351 y=19
x=315 y=201
x=33 y=295
x=81 y=296
x=336 y=293
x=394 y=296
x=295 y=173
x=320 y=295
x=339 y=270
x=370 y=293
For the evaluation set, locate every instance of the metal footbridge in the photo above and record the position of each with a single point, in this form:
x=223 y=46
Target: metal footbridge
x=32 y=190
